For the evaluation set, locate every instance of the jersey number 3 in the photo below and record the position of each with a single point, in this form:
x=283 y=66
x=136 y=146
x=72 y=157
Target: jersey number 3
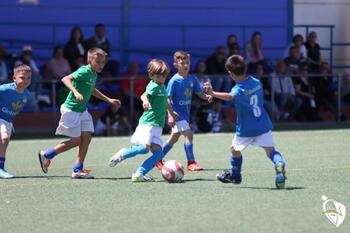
x=254 y=103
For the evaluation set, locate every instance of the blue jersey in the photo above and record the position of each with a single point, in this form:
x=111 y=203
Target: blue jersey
x=12 y=102
x=181 y=90
x=252 y=119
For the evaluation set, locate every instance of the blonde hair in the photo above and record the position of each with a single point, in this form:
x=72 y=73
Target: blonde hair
x=94 y=52
x=21 y=68
x=157 y=67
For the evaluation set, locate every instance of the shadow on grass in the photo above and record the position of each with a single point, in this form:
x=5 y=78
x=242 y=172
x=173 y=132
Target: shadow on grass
x=41 y=177
x=112 y=178
x=265 y=188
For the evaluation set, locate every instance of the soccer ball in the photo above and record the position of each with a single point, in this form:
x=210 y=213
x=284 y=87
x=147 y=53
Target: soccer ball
x=173 y=171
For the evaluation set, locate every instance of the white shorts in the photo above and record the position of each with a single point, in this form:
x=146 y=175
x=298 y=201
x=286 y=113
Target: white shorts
x=100 y=127
x=73 y=123
x=263 y=140
x=147 y=134
x=180 y=126
x=6 y=127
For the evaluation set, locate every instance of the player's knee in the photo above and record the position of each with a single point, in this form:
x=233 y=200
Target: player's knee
x=173 y=139
x=5 y=140
x=234 y=152
x=76 y=141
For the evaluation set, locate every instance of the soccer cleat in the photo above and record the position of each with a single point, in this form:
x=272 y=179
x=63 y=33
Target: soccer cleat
x=160 y=164
x=5 y=175
x=280 y=176
x=139 y=177
x=117 y=158
x=82 y=174
x=194 y=166
x=225 y=177
x=44 y=162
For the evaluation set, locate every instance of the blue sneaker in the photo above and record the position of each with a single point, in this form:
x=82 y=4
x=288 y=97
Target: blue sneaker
x=5 y=175
x=280 y=176
x=225 y=177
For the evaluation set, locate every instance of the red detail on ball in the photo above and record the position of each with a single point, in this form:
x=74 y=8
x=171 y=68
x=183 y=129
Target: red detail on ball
x=171 y=178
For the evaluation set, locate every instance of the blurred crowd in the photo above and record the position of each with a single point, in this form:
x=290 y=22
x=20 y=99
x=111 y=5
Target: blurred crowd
x=299 y=86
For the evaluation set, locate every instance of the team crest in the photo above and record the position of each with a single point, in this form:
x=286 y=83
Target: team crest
x=334 y=211
x=16 y=106
x=188 y=92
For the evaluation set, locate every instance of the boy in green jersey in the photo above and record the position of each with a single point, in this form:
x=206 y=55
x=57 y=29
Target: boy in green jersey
x=147 y=136
x=76 y=122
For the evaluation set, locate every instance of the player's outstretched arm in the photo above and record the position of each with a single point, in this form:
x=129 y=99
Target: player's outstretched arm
x=68 y=82
x=220 y=95
x=105 y=98
x=206 y=97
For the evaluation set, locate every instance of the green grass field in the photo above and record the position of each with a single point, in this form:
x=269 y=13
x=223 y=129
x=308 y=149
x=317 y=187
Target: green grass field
x=318 y=163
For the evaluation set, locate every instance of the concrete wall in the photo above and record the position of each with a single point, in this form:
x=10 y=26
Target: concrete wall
x=334 y=12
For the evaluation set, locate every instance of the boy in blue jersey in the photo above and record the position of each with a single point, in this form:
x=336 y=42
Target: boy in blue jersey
x=13 y=96
x=180 y=90
x=76 y=122
x=253 y=124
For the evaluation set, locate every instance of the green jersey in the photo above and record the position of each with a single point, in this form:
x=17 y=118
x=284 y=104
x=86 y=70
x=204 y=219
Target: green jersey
x=155 y=115
x=84 y=80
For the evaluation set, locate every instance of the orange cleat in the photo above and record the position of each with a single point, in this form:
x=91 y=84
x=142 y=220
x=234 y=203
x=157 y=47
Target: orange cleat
x=160 y=164
x=194 y=166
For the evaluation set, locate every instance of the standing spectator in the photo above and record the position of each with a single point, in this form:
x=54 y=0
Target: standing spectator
x=298 y=41
x=99 y=40
x=58 y=66
x=293 y=61
x=216 y=68
x=74 y=49
x=233 y=45
x=254 y=53
x=284 y=93
x=3 y=67
x=313 y=52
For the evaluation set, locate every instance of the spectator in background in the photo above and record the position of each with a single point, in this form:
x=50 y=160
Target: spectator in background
x=232 y=45
x=266 y=87
x=216 y=68
x=298 y=41
x=3 y=67
x=74 y=50
x=140 y=82
x=27 y=59
x=99 y=40
x=58 y=66
x=293 y=61
x=306 y=92
x=254 y=54
x=313 y=52
x=284 y=93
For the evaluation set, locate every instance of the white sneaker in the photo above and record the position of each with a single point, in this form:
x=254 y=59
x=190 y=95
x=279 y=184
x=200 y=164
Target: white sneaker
x=139 y=177
x=5 y=175
x=44 y=162
x=117 y=158
x=82 y=174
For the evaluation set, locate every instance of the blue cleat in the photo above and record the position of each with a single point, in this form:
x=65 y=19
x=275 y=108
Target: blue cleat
x=225 y=177
x=280 y=175
x=5 y=175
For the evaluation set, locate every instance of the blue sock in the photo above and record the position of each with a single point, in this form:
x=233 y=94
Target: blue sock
x=2 y=162
x=78 y=167
x=276 y=157
x=149 y=163
x=135 y=150
x=166 y=148
x=236 y=165
x=189 y=152
x=50 y=153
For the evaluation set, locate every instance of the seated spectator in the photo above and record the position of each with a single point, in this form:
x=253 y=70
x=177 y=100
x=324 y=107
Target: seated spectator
x=3 y=67
x=74 y=49
x=27 y=58
x=255 y=55
x=313 y=52
x=298 y=41
x=266 y=87
x=139 y=81
x=284 y=93
x=58 y=66
x=200 y=71
x=306 y=92
x=293 y=61
x=324 y=94
x=232 y=45
x=108 y=123
x=216 y=69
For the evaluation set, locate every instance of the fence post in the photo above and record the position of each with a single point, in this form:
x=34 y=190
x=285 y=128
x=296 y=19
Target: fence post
x=54 y=105
x=339 y=81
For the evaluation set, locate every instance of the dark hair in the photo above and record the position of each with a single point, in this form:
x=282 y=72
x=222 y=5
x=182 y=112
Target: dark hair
x=235 y=64
x=296 y=37
x=55 y=49
x=255 y=47
x=229 y=37
x=99 y=25
x=77 y=28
